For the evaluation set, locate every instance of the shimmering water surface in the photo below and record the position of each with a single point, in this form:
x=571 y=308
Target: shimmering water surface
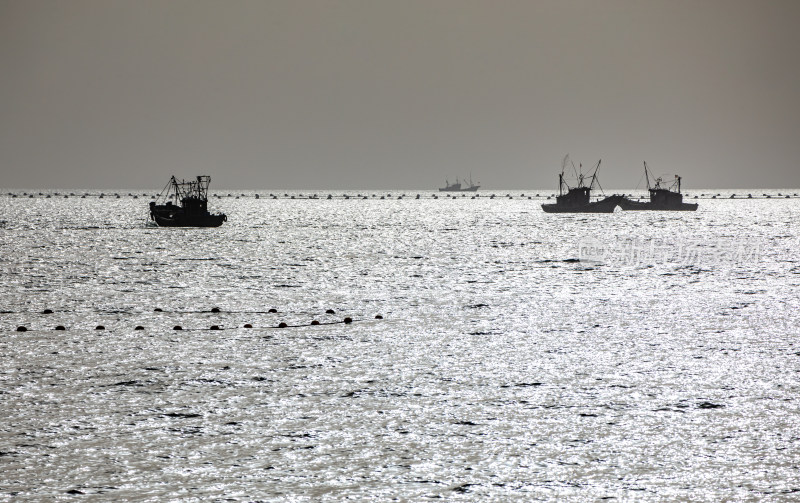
x=513 y=361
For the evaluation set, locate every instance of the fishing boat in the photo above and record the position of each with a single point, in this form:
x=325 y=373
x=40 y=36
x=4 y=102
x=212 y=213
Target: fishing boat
x=663 y=197
x=185 y=204
x=456 y=187
x=577 y=199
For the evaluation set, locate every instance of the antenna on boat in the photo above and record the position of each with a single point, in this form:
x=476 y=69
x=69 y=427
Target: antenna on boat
x=574 y=169
x=646 y=176
x=594 y=177
x=561 y=175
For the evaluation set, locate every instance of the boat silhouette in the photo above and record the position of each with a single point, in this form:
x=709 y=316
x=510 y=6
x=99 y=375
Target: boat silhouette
x=663 y=197
x=456 y=187
x=185 y=204
x=577 y=199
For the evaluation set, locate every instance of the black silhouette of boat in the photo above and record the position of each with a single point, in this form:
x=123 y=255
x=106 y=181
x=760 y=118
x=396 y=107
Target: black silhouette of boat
x=578 y=199
x=662 y=197
x=185 y=204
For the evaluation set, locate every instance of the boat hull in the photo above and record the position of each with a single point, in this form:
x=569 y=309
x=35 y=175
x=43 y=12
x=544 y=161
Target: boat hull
x=171 y=218
x=468 y=189
x=606 y=205
x=628 y=205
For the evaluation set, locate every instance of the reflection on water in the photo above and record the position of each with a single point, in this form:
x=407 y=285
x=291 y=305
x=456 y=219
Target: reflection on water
x=504 y=367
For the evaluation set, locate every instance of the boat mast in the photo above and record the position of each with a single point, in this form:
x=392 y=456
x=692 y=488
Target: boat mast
x=561 y=182
x=174 y=183
x=594 y=175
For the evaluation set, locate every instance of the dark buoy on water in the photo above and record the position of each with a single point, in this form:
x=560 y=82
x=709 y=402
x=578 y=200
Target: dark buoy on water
x=273 y=310
x=378 y=317
x=47 y=311
x=214 y=327
x=214 y=309
x=177 y=327
x=139 y=327
x=60 y=327
x=282 y=325
x=247 y=325
x=348 y=320
x=99 y=327
x=315 y=322
x=21 y=329
x=157 y=310
x=330 y=311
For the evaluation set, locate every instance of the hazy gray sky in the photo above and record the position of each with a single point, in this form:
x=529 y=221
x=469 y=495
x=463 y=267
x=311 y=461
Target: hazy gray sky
x=397 y=94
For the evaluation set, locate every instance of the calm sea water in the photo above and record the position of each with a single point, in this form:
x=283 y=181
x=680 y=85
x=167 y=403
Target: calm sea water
x=636 y=356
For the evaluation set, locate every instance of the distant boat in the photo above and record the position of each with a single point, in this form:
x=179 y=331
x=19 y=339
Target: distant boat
x=662 y=197
x=185 y=204
x=577 y=199
x=456 y=187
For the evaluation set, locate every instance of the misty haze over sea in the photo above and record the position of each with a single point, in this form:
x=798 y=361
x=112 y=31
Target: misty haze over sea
x=323 y=323
x=357 y=94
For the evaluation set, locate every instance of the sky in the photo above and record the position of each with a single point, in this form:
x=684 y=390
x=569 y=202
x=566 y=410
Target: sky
x=397 y=94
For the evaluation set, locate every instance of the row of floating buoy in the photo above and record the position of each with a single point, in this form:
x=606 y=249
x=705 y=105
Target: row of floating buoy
x=288 y=196
x=72 y=194
x=347 y=321
x=398 y=197
x=384 y=197
x=214 y=310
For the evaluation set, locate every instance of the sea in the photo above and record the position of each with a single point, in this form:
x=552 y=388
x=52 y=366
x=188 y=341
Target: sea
x=380 y=346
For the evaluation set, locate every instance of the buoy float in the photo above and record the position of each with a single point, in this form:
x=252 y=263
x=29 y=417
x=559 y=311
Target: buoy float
x=99 y=327
x=330 y=311
x=60 y=327
x=214 y=327
x=157 y=310
x=47 y=311
x=214 y=309
x=177 y=327
x=247 y=325
x=21 y=329
x=282 y=325
x=315 y=322
x=378 y=317
x=273 y=310
x=348 y=320
x=139 y=327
